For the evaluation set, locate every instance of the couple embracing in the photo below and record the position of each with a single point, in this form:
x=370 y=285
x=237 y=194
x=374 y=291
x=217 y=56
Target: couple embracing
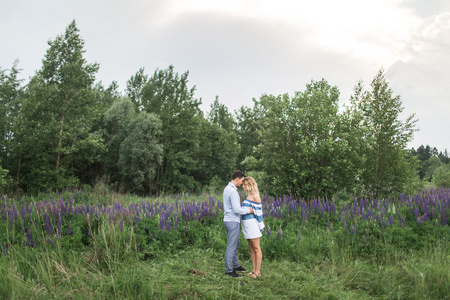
x=252 y=223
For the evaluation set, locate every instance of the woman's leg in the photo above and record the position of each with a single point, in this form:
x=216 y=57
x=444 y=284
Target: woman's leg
x=258 y=255
x=252 y=255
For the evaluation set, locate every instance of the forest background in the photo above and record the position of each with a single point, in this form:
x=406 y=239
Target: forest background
x=62 y=128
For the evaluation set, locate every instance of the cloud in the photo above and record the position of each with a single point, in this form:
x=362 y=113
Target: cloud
x=427 y=8
x=423 y=81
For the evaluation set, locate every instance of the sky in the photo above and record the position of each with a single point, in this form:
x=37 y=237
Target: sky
x=238 y=50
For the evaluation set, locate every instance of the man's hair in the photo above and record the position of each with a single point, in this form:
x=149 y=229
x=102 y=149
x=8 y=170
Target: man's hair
x=237 y=174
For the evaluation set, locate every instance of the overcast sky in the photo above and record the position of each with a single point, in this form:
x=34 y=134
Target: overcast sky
x=241 y=49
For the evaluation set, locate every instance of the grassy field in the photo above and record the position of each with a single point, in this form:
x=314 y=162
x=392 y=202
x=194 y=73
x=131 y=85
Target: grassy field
x=76 y=245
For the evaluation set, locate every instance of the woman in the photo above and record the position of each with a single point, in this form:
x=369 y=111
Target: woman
x=252 y=224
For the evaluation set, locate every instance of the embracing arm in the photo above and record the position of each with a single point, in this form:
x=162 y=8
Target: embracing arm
x=237 y=208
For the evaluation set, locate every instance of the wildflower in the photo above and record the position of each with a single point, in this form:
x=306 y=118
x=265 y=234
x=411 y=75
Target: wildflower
x=168 y=225
x=29 y=236
x=121 y=225
x=69 y=229
x=4 y=248
x=280 y=233
x=299 y=237
x=175 y=226
x=59 y=224
x=351 y=229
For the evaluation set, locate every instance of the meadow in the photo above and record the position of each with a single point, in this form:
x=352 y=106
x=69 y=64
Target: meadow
x=74 y=244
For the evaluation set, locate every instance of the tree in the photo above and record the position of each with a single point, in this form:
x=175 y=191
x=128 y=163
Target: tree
x=59 y=110
x=386 y=167
x=431 y=165
x=247 y=126
x=216 y=157
x=441 y=176
x=116 y=120
x=299 y=142
x=167 y=95
x=141 y=153
x=10 y=97
x=220 y=115
x=135 y=86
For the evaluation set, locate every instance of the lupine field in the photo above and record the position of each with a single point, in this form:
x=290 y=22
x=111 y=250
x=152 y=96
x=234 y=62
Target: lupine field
x=75 y=244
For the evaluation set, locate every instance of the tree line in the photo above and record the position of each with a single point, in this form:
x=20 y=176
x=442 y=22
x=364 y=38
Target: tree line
x=62 y=128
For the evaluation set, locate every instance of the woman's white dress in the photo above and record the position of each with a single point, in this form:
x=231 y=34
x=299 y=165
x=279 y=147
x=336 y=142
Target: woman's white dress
x=252 y=224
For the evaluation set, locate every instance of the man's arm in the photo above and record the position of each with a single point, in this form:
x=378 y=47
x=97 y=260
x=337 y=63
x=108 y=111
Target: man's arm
x=237 y=208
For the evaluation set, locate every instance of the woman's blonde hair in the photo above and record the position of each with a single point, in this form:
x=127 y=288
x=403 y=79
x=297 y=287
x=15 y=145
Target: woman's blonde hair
x=252 y=187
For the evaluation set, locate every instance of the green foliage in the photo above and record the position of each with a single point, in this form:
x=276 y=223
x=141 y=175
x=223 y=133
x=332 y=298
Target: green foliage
x=301 y=148
x=216 y=155
x=10 y=97
x=441 y=176
x=58 y=112
x=247 y=120
x=63 y=129
x=384 y=169
x=302 y=258
x=140 y=152
x=167 y=95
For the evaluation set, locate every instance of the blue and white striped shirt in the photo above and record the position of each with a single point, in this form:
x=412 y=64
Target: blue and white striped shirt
x=257 y=213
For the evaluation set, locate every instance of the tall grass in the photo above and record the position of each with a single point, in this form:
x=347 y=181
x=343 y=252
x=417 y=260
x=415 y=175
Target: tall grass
x=75 y=245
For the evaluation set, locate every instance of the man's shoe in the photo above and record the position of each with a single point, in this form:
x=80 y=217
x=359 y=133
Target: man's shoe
x=239 y=269
x=233 y=274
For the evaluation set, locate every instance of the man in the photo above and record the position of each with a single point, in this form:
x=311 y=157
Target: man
x=232 y=219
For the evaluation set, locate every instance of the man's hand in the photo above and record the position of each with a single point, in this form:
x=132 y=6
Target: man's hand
x=251 y=209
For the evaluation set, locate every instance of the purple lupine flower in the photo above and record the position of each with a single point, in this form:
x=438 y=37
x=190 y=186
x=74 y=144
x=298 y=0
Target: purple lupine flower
x=443 y=218
x=22 y=227
x=391 y=220
x=90 y=233
x=214 y=240
x=280 y=233
x=69 y=229
x=424 y=217
x=59 y=224
x=162 y=221
x=417 y=212
x=418 y=221
x=121 y=225
x=268 y=231
x=168 y=225
x=175 y=226
x=299 y=237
